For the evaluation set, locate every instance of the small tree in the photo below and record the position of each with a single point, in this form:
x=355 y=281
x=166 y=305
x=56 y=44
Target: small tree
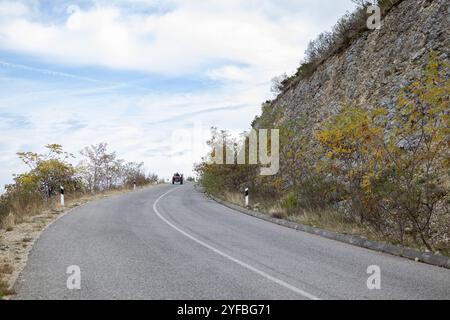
x=33 y=189
x=97 y=166
x=419 y=155
x=394 y=167
x=353 y=144
x=48 y=171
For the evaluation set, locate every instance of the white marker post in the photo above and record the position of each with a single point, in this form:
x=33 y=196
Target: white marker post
x=246 y=197
x=62 y=196
x=134 y=185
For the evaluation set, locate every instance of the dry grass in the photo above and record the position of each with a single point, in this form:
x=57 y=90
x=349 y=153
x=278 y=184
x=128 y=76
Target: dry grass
x=8 y=222
x=334 y=221
x=5 y=269
x=4 y=289
x=23 y=213
x=235 y=198
x=323 y=219
x=276 y=211
x=27 y=239
x=327 y=220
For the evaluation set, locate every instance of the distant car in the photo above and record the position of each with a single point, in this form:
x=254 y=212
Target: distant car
x=177 y=178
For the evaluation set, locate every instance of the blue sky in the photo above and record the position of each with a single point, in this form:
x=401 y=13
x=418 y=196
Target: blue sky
x=148 y=77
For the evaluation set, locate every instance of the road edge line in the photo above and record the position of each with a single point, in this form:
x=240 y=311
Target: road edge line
x=224 y=255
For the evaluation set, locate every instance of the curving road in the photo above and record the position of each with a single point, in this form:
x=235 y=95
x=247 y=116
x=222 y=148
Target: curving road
x=170 y=242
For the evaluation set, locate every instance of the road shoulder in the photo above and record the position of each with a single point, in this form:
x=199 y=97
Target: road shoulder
x=396 y=250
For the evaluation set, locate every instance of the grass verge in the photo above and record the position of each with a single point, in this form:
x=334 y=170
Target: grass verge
x=327 y=220
x=5 y=270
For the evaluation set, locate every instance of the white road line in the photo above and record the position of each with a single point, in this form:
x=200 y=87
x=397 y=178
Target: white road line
x=242 y=264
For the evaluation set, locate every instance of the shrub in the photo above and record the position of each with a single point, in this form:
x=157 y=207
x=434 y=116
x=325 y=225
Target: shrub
x=395 y=167
x=417 y=178
x=37 y=189
x=290 y=203
x=343 y=34
x=386 y=170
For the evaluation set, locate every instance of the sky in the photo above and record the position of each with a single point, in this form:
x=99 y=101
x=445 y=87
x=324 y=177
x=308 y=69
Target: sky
x=149 y=77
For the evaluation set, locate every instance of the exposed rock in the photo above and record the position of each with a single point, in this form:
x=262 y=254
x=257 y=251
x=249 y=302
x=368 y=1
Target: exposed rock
x=371 y=72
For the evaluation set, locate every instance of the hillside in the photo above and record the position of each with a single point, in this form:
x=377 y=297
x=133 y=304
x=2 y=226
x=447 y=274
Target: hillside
x=363 y=133
x=373 y=69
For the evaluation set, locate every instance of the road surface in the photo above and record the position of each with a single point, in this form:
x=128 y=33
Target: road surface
x=170 y=242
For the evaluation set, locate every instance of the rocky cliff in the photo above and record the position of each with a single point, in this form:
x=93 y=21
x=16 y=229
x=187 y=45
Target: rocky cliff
x=373 y=69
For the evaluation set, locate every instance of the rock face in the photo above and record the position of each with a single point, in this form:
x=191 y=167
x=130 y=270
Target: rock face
x=372 y=70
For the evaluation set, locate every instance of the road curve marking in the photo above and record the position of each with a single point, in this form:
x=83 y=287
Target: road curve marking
x=217 y=251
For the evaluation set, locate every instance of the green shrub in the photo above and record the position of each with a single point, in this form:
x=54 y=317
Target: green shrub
x=290 y=203
x=38 y=188
x=387 y=171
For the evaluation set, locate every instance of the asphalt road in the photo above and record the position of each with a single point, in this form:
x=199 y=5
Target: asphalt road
x=170 y=242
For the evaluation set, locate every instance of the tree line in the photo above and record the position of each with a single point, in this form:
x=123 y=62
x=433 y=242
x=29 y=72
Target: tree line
x=98 y=170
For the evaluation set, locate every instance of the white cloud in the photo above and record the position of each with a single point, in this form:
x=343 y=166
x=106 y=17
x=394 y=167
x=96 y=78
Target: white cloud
x=194 y=35
x=240 y=44
x=136 y=127
x=13 y=9
x=228 y=72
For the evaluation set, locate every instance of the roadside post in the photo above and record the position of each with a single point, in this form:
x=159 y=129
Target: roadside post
x=134 y=185
x=246 y=197
x=62 y=196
